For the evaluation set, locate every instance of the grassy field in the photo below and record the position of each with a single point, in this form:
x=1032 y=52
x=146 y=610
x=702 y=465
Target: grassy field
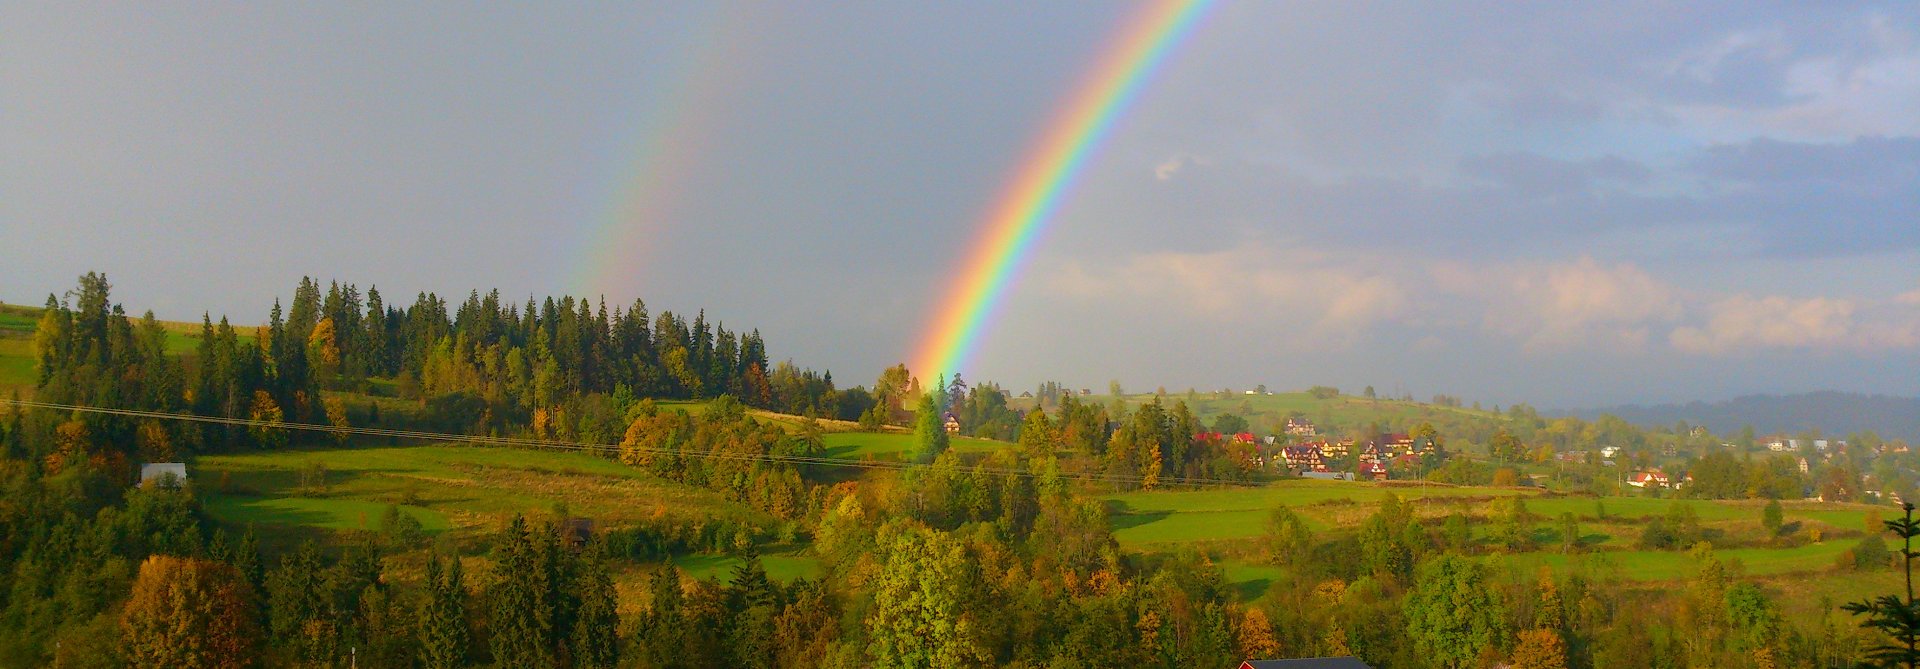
x=1148 y=520
x=16 y=364
x=1145 y=520
x=1779 y=568
x=1673 y=565
x=782 y=567
x=894 y=445
x=458 y=488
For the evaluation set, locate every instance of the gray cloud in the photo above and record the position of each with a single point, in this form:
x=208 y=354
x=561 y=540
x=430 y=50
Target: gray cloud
x=1299 y=177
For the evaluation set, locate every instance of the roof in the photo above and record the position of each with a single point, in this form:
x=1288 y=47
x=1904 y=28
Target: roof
x=154 y=471
x=1307 y=663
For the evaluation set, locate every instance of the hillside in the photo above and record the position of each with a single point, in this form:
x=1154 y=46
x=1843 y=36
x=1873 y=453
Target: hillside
x=17 y=324
x=1335 y=415
x=1830 y=412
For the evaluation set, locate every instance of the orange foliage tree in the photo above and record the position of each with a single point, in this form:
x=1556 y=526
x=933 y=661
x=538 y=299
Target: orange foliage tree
x=186 y=612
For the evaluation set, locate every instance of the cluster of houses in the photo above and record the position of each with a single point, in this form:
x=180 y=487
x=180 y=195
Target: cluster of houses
x=1374 y=457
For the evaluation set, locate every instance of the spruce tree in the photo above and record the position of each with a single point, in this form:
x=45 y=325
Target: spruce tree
x=443 y=622
x=596 y=643
x=1897 y=618
x=522 y=618
x=930 y=431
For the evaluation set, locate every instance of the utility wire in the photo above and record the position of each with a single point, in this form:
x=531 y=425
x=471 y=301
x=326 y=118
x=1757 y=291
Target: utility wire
x=604 y=449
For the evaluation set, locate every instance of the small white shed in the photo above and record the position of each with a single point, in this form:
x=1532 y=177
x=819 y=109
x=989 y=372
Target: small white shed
x=154 y=473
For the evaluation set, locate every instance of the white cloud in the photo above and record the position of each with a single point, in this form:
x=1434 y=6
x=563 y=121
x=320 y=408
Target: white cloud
x=1746 y=323
x=1566 y=305
x=1314 y=292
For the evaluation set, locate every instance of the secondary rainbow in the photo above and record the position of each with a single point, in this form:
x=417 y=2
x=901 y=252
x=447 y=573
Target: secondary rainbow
x=1024 y=206
x=661 y=146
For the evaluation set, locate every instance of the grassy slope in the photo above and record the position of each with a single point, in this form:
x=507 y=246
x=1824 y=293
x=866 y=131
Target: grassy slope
x=467 y=489
x=17 y=324
x=894 y=445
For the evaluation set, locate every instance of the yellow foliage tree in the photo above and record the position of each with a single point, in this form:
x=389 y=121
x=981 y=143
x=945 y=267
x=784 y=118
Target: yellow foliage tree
x=265 y=410
x=1253 y=636
x=337 y=417
x=1540 y=648
x=323 y=350
x=189 y=613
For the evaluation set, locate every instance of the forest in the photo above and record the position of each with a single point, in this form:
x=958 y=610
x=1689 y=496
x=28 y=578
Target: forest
x=1017 y=550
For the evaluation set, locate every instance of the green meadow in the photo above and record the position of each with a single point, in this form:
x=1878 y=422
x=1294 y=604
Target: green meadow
x=895 y=445
x=462 y=489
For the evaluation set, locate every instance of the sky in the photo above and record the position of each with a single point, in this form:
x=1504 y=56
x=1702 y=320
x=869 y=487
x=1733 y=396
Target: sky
x=1567 y=204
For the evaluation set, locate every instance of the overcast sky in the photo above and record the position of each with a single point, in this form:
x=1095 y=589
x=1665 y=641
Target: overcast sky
x=1640 y=202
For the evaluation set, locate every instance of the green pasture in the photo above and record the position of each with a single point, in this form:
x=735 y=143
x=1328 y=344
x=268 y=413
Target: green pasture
x=16 y=363
x=333 y=514
x=1144 y=519
x=1250 y=579
x=782 y=567
x=462 y=488
x=1673 y=565
x=894 y=445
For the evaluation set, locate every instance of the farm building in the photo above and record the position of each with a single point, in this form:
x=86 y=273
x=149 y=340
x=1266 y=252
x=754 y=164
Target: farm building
x=1307 y=663
x=1649 y=478
x=158 y=473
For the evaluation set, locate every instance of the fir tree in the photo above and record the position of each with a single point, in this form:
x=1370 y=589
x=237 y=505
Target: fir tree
x=1891 y=615
x=596 y=643
x=522 y=617
x=443 y=621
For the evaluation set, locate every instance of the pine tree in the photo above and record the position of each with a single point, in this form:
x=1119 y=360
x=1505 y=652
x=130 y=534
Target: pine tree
x=1897 y=618
x=596 y=643
x=443 y=622
x=930 y=431
x=522 y=618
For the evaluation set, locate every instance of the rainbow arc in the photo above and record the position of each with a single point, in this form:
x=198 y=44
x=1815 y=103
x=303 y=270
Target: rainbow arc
x=1027 y=203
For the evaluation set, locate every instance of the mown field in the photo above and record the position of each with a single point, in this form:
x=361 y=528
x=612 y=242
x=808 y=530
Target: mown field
x=895 y=445
x=463 y=489
x=1228 y=522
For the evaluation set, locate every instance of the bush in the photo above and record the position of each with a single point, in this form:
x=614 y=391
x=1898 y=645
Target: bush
x=1656 y=536
x=1870 y=554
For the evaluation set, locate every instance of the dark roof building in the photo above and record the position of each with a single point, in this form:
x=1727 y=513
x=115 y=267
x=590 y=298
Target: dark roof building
x=1307 y=663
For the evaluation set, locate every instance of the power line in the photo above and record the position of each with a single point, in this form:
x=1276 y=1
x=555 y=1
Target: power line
x=614 y=450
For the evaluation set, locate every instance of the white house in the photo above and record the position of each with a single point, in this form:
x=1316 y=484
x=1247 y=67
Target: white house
x=156 y=473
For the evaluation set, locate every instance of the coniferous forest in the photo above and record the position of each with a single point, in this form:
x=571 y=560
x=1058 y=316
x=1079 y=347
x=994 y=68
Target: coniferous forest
x=994 y=544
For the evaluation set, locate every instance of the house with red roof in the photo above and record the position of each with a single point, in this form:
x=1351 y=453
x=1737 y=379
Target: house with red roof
x=1650 y=478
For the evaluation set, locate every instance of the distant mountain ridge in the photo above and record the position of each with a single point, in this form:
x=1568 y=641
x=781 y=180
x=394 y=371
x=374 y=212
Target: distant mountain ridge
x=1833 y=413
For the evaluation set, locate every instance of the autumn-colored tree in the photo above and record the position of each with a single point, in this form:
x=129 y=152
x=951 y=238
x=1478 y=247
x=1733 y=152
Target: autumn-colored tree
x=337 y=417
x=323 y=350
x=154 y=442
x=1253 y=635
x=1540 y=649
x=190 y=613
x=268 y=418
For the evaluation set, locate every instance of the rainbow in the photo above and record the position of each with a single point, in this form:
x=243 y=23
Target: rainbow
x=1029 y=199
x=691 y=73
